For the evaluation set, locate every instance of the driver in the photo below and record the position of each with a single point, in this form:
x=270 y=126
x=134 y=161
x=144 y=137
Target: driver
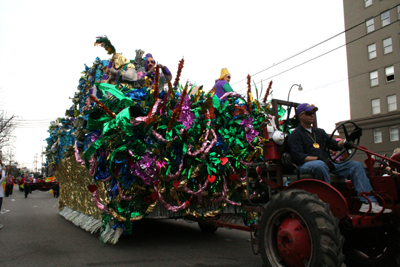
x=308 y=146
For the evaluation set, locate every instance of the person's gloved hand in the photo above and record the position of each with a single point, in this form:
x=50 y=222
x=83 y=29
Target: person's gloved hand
x=328 y=163
x=348 y=144
x=355 y=134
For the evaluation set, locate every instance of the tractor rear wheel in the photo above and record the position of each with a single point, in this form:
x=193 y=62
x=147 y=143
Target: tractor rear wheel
x=372 y=247
x=298 y=229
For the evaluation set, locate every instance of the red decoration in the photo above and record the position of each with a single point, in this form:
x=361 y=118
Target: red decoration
x=211 y=178
x=223 y=161
x=233 y=177
x=176 y=184
x=154 y=196
x=92 y=188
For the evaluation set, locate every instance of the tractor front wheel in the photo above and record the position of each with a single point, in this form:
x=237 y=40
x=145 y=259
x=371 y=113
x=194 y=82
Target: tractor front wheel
x=297 y=229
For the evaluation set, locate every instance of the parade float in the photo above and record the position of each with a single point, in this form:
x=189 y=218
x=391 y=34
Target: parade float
x=136 y=145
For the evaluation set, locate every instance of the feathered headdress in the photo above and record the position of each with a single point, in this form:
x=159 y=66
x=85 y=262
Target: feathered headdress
x=104 y=42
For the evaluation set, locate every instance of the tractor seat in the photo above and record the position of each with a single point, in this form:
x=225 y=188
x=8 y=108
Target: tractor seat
x=288 y=160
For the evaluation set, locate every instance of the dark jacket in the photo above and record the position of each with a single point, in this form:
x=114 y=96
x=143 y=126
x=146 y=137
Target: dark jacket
x=301 y=144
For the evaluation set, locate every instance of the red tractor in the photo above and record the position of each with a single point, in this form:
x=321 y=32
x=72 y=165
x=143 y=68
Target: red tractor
x=310 y=223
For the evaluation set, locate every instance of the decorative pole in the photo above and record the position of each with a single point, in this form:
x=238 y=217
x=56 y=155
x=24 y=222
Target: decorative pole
x=178 y=74
x=267 y=92
x=249 y=96
x=103 y=107
x=156 y=84
x=176 y=114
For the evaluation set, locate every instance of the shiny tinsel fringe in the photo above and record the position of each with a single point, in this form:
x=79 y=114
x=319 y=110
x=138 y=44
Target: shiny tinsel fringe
x=82 y=220
x=108 y=234
x=92 y=225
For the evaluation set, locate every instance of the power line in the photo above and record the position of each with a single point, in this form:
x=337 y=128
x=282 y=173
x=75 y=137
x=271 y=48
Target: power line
x=307 y=49
x=348 y=78
x=318 y=56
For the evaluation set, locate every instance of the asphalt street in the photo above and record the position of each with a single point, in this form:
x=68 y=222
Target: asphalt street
x=34 y=234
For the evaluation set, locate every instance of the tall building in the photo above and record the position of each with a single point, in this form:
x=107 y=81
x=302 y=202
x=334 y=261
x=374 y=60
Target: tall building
x=373 y=60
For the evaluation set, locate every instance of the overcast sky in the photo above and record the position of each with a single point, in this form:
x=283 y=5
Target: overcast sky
x=45 y=44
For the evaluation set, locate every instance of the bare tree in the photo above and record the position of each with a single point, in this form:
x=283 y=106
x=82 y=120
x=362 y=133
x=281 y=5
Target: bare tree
x=8 y=156
x=7 y=126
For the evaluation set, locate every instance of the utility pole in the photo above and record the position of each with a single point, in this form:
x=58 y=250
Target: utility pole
x=35 y=162
x=41 y=169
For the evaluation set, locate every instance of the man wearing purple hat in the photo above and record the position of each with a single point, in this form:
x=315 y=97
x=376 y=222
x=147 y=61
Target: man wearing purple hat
x=308 y=145
x=149 y=66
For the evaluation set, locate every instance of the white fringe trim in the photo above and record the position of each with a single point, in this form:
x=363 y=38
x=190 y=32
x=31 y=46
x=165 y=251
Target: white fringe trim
x=87 y=223
x=92 y=225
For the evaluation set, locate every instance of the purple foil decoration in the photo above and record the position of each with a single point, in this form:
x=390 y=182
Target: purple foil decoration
x=145 y=168
x=187 y=117
x=251 y=134
x=94 y=137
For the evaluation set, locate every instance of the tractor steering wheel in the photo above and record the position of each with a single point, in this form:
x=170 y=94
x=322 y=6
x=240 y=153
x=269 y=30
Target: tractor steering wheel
x=351 y=151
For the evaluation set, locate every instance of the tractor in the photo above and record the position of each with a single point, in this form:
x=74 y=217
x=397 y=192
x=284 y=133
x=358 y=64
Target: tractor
x=305 y=222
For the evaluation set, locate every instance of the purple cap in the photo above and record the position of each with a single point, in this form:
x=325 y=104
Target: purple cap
x=146 y=64
x=305 y=107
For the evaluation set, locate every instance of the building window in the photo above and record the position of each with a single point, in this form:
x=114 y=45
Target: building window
x=392 y=103
x=372 y=51
x=376 y=106
x=398 y=12
x=368 y=3
x=373 y=76
x=394 y=133
x=370 y=25
x=377 y=136
x=389 y=71
x=385 y=18
x=387 y=45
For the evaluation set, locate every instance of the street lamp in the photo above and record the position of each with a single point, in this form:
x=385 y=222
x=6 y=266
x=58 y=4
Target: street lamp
x=300 y=89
